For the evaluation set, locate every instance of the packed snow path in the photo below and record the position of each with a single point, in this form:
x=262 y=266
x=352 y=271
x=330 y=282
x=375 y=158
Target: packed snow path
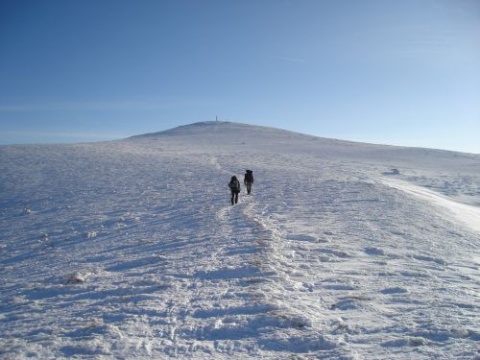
x=130 y=249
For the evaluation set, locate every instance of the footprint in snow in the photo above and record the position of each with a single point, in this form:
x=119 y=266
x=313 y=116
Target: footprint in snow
x=222 y=213
x=374 y=251
x=394 y=290
x=302 y=237
x=430 y=259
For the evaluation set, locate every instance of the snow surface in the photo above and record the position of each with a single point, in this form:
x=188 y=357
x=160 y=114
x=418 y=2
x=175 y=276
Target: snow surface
x=130 y=249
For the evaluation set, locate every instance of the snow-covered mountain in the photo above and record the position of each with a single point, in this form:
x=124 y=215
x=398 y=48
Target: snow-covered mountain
x=131 y=250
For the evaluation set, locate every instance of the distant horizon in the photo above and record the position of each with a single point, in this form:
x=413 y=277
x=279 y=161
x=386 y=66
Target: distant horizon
x=93 y=138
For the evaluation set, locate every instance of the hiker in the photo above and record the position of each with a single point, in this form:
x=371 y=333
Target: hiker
x=234 y=186
x=248 y=181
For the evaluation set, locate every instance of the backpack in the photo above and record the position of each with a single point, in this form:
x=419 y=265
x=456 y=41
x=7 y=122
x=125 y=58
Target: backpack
x=234 y=184
x=249 y=176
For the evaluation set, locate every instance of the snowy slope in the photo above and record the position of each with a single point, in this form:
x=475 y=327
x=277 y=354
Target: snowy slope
x=130 y=249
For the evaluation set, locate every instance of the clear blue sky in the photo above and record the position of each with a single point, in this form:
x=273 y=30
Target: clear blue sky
x=385 y=71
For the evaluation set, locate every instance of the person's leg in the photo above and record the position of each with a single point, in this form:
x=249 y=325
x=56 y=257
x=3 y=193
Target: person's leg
x=236 y=198
x=233 y=194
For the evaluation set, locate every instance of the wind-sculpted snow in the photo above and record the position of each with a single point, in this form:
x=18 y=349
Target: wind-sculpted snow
x=131 y=250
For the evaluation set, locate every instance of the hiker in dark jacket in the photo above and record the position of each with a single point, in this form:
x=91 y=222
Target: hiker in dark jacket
x=234 y=186
x=248 y=181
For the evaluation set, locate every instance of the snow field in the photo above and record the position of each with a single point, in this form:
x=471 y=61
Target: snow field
x=130 y=249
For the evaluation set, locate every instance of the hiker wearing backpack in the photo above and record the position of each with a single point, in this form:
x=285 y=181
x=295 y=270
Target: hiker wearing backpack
x=248 y=181
x=234 y=186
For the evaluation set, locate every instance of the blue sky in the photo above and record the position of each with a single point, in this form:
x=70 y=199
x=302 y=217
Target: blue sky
x=384 y=71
